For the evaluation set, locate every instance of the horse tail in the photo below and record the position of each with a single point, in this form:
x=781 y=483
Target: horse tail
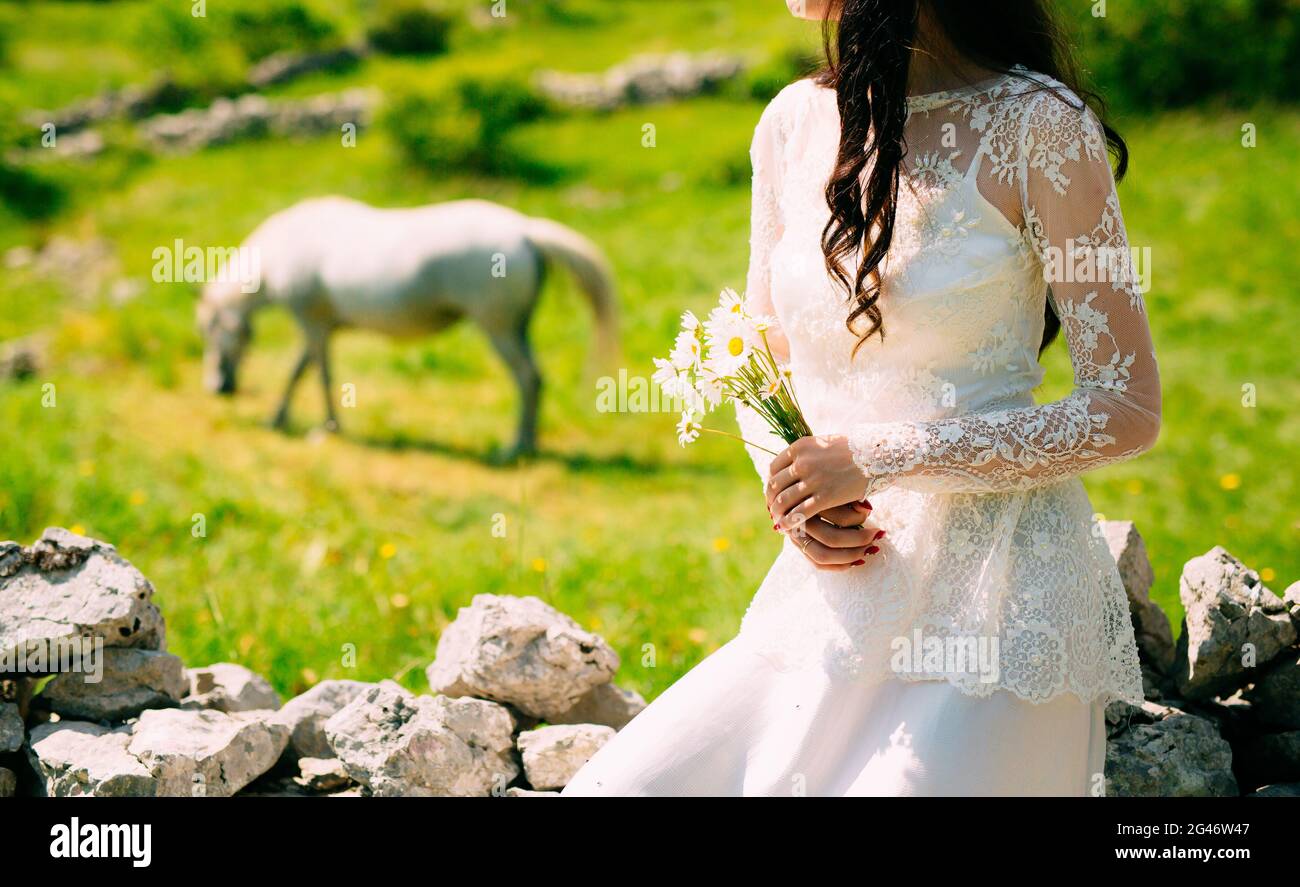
x=563 y=246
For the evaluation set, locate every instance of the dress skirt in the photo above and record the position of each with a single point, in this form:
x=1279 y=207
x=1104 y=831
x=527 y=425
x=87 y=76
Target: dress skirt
x=736 y=725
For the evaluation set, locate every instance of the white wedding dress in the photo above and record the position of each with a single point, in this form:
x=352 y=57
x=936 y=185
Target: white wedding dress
x=975 y=654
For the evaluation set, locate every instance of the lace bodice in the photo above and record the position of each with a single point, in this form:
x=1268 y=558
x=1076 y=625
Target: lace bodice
x=1007 y=199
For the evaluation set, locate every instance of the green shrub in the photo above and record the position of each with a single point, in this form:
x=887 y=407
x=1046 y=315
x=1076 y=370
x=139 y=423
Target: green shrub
x=467 y=126
x=409 y=27
x=261 y=29
x=1174 y=53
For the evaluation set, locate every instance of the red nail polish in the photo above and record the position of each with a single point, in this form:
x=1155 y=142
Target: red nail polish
x=864 y=507
x=880 y=535
x=775 y=527
x=858 y=563
x=873 y=549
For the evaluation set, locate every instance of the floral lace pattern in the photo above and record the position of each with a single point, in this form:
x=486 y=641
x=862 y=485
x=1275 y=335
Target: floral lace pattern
x=1007 y=200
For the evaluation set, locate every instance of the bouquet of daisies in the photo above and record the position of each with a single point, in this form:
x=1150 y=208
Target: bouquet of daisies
x=728 y=358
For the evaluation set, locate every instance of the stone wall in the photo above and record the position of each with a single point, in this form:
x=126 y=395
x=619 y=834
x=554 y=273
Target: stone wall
x=525 y=696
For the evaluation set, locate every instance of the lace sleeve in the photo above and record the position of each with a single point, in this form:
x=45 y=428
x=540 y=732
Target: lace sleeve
x=1071 y=218
x=765 y=155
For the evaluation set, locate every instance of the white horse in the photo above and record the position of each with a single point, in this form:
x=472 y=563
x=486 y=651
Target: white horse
x=335 y=263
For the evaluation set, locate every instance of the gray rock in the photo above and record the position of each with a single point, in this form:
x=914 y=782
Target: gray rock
x=206 y=752
x=132 y=681
x=11 y=727
x=8 y=783
x=75 y=758
x=67 y=587
x=322 y=774
x=606 y=704
x=1292 y=599
x=305 y=716
x=552 y=755
x=1151 y=629
x=1172 y=754
x=1227 y=608
x=517 y=792
x=1275 y=697
x=399 y=744
x=228 y=687
x=521 y=651
x=642 y=80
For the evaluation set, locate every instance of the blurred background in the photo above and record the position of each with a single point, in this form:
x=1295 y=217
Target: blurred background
x=374 y=537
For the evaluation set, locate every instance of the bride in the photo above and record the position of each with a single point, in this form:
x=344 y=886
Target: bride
x=944 y=617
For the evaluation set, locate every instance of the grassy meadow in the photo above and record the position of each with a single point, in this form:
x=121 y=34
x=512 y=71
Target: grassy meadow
x=372 y=538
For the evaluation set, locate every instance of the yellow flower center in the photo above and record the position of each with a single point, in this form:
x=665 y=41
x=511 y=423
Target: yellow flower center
x=736 y=345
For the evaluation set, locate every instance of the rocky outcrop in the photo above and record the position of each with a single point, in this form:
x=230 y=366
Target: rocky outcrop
x=520 y=651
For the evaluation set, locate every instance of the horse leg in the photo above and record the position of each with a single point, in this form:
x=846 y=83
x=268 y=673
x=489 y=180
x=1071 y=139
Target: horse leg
x=321 y=347
x=282 y=414
x=518 y=355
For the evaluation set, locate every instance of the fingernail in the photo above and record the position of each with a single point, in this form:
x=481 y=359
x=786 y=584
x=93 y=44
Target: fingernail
x=858 y=563
x=864 y=507
x=775 y=527
x=880 y=535
x=873 y=549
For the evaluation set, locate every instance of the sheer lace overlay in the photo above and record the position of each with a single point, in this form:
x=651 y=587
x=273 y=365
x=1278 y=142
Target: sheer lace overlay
x=1007 y=200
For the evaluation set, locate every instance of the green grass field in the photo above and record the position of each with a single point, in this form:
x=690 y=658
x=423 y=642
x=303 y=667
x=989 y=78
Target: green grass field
x=375 y=537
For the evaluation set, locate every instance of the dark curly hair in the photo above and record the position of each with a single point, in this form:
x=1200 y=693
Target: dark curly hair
x=868 y=45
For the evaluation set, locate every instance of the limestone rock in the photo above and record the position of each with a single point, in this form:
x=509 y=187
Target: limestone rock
x=206 y=752
x=605 y=704
x=399 y=744
x=552 y=755
x=8 y=782
x=1275 y=697
x=521 y=651
x=66 y=587
x=1165 y=752
x=305 y=716
x=1292 y=599
x=228 y=687
x=11 y=727
x=322 y=774
x=1227 y=607
x=1151 y=629
x=132 y=681
x=76 y=758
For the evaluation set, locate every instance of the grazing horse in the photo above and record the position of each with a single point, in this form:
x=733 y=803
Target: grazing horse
x=335 y=263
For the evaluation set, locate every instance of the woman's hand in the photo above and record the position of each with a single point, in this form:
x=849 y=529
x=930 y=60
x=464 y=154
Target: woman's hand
x=839 y=538
x=812 y=475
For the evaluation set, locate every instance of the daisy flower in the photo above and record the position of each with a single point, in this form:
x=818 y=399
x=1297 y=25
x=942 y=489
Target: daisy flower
x=688 y=430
